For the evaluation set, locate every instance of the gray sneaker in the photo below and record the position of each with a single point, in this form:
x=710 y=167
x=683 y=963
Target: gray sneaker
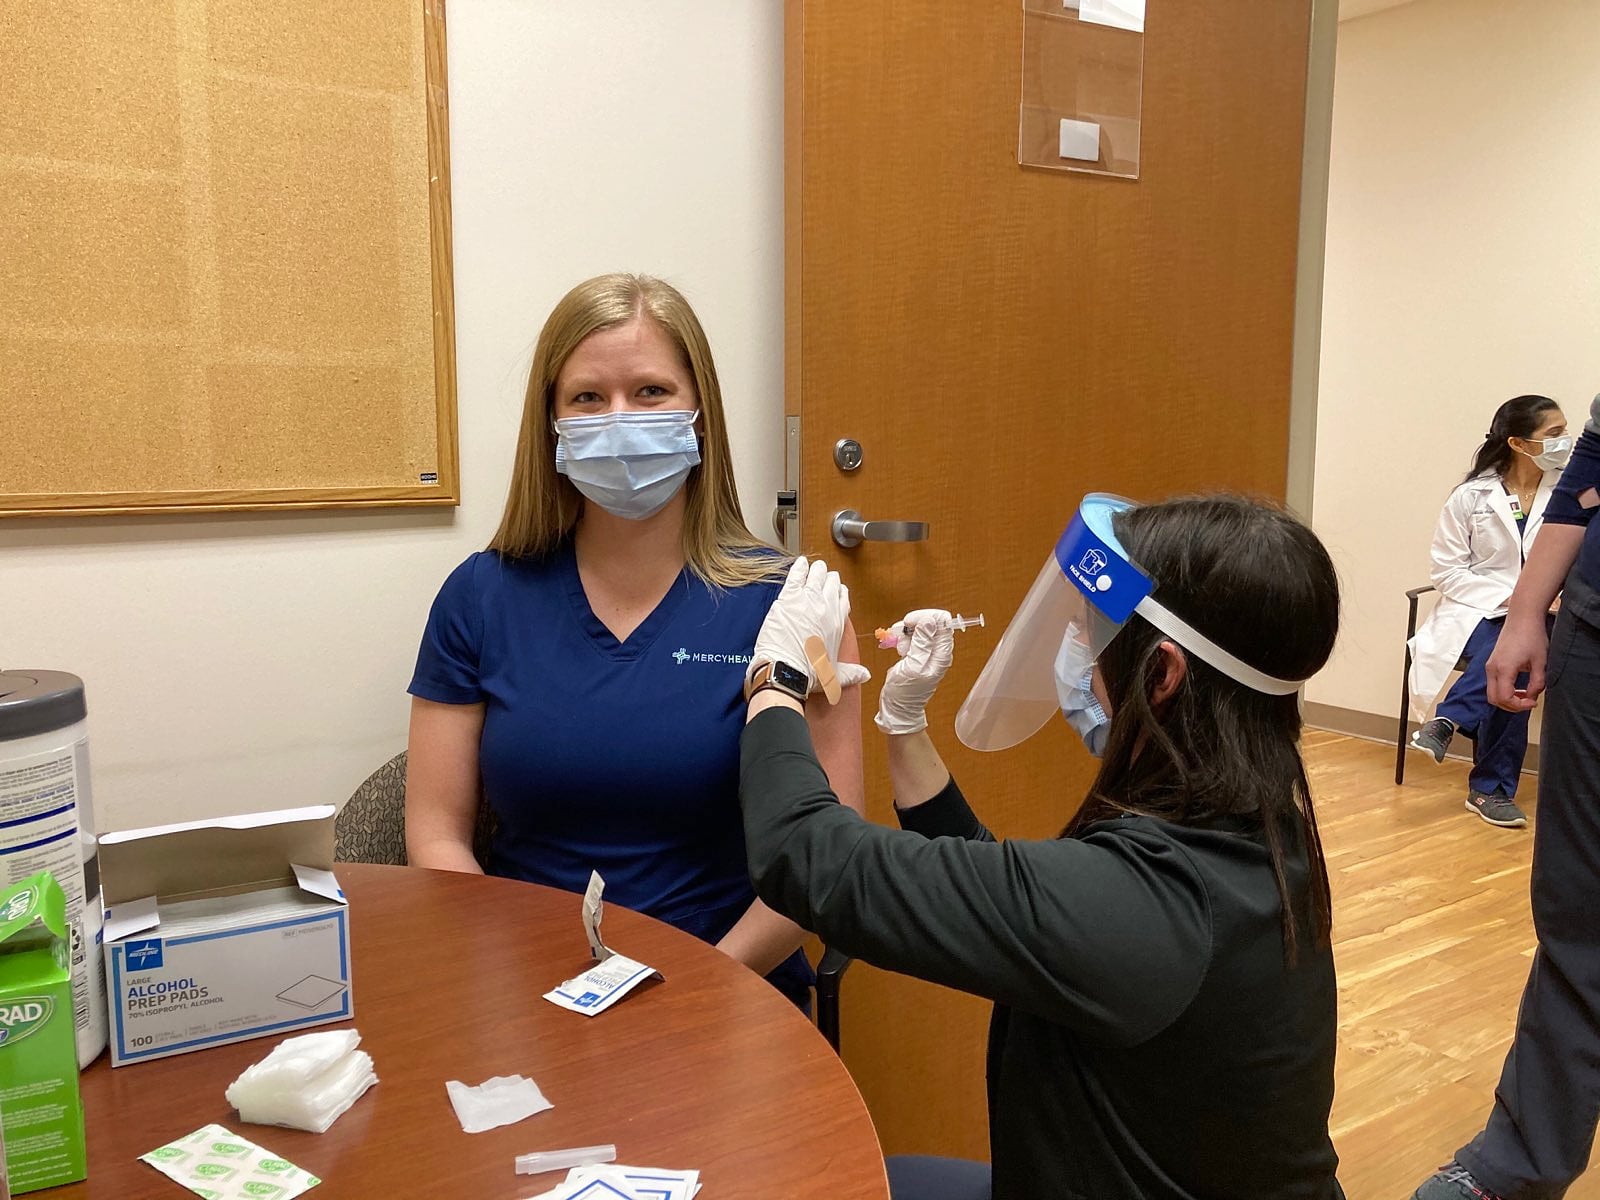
x=1434 y=738
x=1453 y=1182
x=1496 y=809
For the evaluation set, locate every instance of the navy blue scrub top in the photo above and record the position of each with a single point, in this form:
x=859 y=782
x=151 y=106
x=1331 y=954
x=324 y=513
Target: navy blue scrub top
x=619 y=757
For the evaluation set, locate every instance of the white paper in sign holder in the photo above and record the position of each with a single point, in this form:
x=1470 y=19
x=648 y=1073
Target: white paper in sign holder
x=1119 y=14
x=1080 y=140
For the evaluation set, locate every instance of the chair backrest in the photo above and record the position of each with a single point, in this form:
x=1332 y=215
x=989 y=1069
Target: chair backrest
x=1413 y=604
x=371 y=827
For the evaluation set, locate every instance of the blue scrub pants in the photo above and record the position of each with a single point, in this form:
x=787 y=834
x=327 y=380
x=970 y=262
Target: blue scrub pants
x=921 y=1177
x=1542 y=1127
x=1499 y=738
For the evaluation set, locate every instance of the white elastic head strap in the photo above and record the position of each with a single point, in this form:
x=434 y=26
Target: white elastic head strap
x=1197 y=643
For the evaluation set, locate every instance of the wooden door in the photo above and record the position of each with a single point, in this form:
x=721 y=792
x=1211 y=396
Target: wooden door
x=1000 y=341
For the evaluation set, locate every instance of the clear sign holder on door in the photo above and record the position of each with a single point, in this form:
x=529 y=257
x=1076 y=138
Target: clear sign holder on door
x=1082 y=86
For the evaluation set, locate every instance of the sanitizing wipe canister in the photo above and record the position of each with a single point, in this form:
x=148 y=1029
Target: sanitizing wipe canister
x=47 y=823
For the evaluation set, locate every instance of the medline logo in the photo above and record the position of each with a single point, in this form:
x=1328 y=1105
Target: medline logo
x=682 y=655
x=145 y=956
x=24 y=1015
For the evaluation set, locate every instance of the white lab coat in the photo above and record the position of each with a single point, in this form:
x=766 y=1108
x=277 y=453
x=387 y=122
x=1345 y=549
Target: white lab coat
x=1477 y=557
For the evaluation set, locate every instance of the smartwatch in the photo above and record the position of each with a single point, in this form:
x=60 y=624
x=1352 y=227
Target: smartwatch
x=791 y=681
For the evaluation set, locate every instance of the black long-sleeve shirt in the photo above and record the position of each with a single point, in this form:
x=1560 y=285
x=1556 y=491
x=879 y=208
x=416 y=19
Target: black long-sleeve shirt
x=1148 y=1039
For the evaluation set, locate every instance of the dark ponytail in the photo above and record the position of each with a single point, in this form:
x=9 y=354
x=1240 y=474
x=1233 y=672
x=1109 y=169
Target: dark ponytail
x=1516 y=418
x=1260 y=584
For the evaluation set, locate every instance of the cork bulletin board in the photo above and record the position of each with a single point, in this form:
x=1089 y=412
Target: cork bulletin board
x=225 y=275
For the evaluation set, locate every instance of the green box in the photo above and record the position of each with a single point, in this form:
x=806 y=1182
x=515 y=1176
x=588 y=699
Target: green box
x=39 y=1102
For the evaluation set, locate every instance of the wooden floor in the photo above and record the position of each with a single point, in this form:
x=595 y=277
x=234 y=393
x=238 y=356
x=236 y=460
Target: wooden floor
x=1432 y=938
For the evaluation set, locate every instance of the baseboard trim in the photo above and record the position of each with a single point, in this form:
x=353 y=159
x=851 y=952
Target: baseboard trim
x=1378 y=727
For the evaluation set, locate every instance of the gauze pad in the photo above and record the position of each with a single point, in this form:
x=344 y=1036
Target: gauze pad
x=307 y=1082
x=503 y=1100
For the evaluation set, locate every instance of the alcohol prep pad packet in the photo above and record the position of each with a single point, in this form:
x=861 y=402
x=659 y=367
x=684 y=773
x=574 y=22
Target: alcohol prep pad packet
x=601 y=986
x=612 y=977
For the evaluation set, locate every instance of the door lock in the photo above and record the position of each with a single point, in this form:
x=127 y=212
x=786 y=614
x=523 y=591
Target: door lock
x=784 y=514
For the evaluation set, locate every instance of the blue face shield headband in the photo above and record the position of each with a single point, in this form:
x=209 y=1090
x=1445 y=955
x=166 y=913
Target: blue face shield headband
x=1087 y=590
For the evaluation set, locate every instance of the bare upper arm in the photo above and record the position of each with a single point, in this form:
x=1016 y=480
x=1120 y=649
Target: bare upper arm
x=836 y=733
x=442 y=783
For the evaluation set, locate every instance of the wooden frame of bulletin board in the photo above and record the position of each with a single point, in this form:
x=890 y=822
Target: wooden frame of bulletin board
x=225 y=270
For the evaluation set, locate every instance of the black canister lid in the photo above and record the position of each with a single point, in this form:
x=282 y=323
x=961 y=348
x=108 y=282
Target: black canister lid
x=38 y=702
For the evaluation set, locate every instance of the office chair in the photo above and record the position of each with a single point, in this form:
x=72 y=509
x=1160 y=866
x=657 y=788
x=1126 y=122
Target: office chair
x=371 y=828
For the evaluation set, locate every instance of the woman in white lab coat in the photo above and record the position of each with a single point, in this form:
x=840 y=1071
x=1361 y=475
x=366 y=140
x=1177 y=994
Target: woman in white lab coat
x=1484 y=533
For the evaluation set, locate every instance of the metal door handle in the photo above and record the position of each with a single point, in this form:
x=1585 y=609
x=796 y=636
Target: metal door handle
x=850 y=530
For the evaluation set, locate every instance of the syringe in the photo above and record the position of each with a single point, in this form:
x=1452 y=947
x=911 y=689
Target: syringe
x=889 y=639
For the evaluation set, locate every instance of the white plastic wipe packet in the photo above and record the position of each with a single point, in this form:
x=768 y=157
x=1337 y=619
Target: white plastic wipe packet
x=307 y=1082
x=213 y=1162
x=612 y=977
x=613 y=1182
x=503 y=1100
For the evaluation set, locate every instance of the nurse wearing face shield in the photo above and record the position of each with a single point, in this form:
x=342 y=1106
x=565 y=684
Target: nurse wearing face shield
x=1164 y=1019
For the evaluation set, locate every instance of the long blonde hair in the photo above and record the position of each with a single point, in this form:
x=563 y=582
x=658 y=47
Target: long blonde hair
x=542 y=507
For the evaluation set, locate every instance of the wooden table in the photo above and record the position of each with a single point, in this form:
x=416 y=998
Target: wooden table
x=711 y=1069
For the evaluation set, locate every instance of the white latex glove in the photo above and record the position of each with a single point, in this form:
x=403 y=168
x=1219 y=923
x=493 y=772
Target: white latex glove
x=911 y=682
x=813 y=603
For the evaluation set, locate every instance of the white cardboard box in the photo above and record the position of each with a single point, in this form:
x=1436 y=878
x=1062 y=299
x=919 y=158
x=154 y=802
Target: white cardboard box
x=219 y=931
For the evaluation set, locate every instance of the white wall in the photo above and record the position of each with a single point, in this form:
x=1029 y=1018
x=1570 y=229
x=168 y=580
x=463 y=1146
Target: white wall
x=260 y=661
x=1462 y=259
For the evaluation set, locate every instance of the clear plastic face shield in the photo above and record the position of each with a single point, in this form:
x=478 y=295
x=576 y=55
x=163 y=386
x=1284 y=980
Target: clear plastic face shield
x=1084 y=593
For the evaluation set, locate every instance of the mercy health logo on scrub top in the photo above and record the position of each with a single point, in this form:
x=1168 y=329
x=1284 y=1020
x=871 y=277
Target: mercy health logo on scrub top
x=684 y=655
x=145 y=955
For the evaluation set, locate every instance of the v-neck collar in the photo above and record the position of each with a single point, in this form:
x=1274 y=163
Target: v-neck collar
x=599 y=634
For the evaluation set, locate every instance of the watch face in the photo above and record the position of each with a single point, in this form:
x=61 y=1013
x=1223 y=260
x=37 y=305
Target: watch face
x=793 y=681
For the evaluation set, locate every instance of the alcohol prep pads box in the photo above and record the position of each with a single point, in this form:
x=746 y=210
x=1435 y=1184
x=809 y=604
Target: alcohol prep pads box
x=219 y=931
x=38 y=1041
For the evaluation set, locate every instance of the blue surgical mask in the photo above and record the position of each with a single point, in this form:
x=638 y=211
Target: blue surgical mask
x=1075 y=691
x=629 y=463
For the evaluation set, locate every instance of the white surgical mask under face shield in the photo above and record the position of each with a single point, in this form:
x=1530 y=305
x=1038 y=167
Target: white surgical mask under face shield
x=1553 y=452
x=1091 y=586
x=629 y=463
